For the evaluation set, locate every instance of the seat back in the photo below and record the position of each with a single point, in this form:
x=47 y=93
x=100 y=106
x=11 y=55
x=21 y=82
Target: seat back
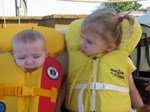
x=140 y=55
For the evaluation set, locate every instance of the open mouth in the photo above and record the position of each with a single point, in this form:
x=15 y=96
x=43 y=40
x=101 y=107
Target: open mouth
x=30 y=69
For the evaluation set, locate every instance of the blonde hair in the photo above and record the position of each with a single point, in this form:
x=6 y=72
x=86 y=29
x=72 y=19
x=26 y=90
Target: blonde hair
x=105 y=22
x=28 y=36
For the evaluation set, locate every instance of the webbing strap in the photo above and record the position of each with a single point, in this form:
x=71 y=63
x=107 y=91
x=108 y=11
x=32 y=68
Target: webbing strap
x=96 y=86
x=102 y=86
x=80 y=101
x=93 y=97
x=28 y=91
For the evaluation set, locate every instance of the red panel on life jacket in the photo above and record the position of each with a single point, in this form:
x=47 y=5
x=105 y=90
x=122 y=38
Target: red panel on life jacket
x=51 y=77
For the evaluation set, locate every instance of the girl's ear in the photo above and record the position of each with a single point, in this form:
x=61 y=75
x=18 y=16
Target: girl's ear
x=111 y=47
x=47 y=53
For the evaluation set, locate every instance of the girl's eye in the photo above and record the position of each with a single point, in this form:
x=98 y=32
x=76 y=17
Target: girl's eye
x=89 y=42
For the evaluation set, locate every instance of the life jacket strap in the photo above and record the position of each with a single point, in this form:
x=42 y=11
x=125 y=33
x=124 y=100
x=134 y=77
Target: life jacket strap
x=102 y=86
x=28 y=91
x=96 y=86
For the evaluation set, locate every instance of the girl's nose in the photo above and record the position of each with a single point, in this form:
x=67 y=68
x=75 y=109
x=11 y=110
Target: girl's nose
x=82 y=44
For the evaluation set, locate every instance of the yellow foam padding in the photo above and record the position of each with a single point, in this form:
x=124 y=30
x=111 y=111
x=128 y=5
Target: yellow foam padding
x=127 y=44
x=54 y=39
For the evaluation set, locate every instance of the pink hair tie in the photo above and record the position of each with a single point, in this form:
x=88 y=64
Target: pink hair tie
x=120 y=19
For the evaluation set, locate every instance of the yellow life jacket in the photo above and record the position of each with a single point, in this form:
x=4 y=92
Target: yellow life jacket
x=54 y=39
x=31 y=92
x=99 y=83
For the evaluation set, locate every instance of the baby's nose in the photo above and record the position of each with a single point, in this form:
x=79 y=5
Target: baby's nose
x=29 y=61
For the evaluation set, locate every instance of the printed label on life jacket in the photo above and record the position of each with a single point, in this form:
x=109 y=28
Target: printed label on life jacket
x=52 y=72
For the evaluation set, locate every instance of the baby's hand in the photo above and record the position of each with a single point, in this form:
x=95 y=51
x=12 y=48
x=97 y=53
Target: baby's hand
x=146 y=108
x=57 y=110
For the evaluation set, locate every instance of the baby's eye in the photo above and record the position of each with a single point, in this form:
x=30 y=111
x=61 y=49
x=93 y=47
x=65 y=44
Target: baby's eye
x=21 y=58
x=36 y=56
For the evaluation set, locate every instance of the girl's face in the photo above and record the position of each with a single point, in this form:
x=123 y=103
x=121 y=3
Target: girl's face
x=29 y=56
x=93 y=44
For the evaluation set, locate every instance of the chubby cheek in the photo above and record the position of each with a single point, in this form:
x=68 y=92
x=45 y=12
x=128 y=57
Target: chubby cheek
x=91 y=49
x=20 y=64
x=40 y=63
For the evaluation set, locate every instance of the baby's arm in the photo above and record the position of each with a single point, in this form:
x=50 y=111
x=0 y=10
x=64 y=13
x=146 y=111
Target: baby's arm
x=61 y=97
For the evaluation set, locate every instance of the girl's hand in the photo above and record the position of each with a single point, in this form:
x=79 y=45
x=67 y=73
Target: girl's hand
x=146 y=108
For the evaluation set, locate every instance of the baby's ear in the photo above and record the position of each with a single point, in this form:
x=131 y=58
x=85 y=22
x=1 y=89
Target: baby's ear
x=47 y=53
x=111 y=47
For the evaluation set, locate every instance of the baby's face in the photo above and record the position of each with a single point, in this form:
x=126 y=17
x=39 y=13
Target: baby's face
x=29 y=56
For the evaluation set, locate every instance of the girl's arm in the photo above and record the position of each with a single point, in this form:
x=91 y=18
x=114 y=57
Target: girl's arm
x=134 y=94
